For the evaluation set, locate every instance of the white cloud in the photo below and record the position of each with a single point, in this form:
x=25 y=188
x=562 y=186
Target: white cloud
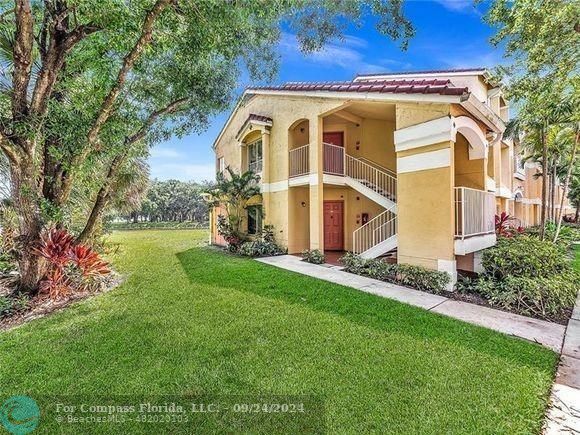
x=345 y=54
x=183 y=171
x=457 y=5
x=165 y=153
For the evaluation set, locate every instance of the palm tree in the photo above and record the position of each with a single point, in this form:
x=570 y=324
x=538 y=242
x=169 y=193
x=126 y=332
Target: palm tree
x=234 y=190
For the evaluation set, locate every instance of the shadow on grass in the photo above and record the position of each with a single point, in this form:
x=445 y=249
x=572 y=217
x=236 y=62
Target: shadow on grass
x=214 y=267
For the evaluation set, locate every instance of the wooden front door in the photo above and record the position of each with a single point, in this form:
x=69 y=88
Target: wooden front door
x=333 y=226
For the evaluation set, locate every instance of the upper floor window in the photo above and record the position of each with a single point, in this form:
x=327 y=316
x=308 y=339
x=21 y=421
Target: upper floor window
x=220 y=165
x=255 y=156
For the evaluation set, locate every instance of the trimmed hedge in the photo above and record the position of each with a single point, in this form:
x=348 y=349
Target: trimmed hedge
x=413 y=276
x=528 y=276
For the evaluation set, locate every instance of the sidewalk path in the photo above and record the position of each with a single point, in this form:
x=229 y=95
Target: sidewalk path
x=545 y=333
x=564 y=413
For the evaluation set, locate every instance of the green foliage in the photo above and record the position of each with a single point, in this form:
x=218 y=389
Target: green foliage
x=234 y=191
x=524 y=256
x=264 y=246
x=7 y=263
x=313 y=256
x=529 y=276
x=413 y=276
x=260 y=248
x=543 y=297
x=173 y=201
x=13 y=304
x=185 y=225
x=568 y=235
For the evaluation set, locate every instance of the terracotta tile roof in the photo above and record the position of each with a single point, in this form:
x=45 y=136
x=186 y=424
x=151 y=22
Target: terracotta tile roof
x=431 y=86
x=254 y=117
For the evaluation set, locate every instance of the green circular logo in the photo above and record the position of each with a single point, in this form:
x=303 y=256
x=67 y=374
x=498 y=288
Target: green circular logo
x=19 y=415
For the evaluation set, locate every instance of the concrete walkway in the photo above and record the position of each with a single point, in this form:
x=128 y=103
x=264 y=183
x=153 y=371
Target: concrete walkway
x=548 y=334
x=564 y=413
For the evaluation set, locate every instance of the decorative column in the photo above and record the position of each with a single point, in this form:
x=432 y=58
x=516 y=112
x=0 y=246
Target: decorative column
x=316 y=184
x=425 y=190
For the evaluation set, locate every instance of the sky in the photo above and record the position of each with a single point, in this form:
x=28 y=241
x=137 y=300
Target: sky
x=448 y=34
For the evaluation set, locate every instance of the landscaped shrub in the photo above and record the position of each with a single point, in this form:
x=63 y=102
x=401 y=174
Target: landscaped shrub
x=264 y=247
x=233 y=238
x=567 y=236
x=260 y=248
x=71 y=266
x=11 y=304
x=527 y=275
x=543 y=297
x=412 y=276
x=506 y=225
x=7 y=263
x=421 y=278
x=313 y=256
x=524 y=256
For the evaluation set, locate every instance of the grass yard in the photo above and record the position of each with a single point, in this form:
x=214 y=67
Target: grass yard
x=190 y=320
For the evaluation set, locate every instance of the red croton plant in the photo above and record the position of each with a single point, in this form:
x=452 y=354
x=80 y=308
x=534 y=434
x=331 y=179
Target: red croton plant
x=71 y=267
x=504 y=225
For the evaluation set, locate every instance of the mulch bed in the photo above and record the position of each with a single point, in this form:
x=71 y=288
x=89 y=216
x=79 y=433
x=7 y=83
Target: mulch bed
x=41 y=305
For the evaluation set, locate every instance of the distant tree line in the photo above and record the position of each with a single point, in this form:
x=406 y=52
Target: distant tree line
x=172 y=201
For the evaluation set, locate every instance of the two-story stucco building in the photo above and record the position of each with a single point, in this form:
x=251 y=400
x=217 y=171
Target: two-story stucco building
x=412 y=162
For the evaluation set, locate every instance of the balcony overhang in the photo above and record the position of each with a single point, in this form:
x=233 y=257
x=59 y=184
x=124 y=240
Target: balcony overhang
x=471 y=244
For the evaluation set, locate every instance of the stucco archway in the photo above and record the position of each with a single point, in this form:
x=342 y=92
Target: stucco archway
x=478 y=143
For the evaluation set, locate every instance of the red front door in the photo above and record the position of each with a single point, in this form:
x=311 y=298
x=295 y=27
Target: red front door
x=333 y=137
x=333 y=155
x=333 y=226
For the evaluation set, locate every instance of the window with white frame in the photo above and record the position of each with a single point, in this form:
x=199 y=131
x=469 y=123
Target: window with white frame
x=255 y=156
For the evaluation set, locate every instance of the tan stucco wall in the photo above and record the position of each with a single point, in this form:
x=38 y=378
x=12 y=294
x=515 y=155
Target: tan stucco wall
x=468 y=173
x=425 y=201
x=298 y=219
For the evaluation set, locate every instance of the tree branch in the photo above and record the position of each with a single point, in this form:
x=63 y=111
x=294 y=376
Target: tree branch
x=170 y=108
x=128 y=63
x=104 y=193
x=22 y=51
x=60 y=43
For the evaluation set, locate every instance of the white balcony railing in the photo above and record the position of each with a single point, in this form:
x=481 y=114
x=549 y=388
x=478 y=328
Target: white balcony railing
x=255 y=166
x=299 y=158
x=334 y=156
x=474 y=212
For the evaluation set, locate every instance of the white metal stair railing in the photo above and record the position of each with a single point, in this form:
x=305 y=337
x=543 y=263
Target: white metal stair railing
x=338 y=162
x=378 y=181
x=379 y=229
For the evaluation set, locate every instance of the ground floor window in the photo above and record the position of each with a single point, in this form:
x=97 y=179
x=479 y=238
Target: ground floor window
x=254 y=219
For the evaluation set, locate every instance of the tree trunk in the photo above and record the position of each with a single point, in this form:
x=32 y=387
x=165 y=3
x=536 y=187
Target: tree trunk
x=554 y=191
x=565 y=189
x=25 y=195
x=544 y=181
x=101 y=200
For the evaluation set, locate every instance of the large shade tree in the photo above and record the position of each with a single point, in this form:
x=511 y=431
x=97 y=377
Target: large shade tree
x=541 y=41
x=84 y=83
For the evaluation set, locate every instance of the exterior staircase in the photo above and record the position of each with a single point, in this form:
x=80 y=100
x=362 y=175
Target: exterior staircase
x=379 y=235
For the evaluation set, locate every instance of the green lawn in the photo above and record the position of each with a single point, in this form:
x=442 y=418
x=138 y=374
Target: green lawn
x=192 y=320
